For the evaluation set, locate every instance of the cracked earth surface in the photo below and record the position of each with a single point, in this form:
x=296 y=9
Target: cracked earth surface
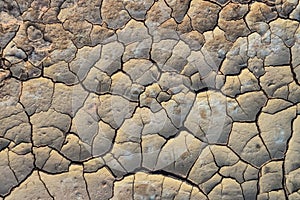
x=152 y=99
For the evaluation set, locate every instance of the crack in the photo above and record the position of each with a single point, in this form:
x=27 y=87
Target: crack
x=284 y=180
x=12 y=169
x=40 y=178
x=86 y=187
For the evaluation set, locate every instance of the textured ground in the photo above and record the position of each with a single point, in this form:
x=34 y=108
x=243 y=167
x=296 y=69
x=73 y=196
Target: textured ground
x=144 y=99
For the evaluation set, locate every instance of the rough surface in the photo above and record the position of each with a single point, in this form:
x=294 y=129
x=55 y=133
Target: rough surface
x=149 y=99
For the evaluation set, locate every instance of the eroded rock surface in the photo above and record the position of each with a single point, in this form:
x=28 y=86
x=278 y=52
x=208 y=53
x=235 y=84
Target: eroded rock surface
x=153 y=99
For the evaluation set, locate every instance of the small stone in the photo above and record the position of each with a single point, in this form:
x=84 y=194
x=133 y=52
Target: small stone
x=178 y=107
x=10 y=91
x=142 y=72
x=115 y=109
x=285 y=29
x=68 y=99
x=177 y=158
x=114 y=13
x=276 y=130
x=246 y=106
x=8 y=180
x=170 y=188
x=123 y=189
x=259 y=16
x=232 y=86
x=147 y=185
x=56 y=163
x=256 y=66
x=4 y=143
x=49 y=128
x=236 y=58
x=148 y=97
x=276 y=105
x=207 y=119
x=157 y=122
x=93 y=165
x=74 y=149
x=34 y=33
x=194 y=39
x=110 y=58
x=128 y=154
x=179 y=8
x=99 y=184
x=68 y=185
x=138 y=9
x=103 y=141
x=134 y=31
x=271 y=177
x=63 y=47
x=232 y=22
x=102 y=35
x=217 y=48
x=270 y=84
x=244 y=140
x=151 y=147
x=131 y=129
x=204 y=167
x=31 y=188
x=184 y=191
x=163 y=97
x=9 y=26
x=249 y=189
x=85 y=59
x=204 y=15
x=162 y=51
x=224 y=156
x=291 y=160
x=10 y=118
x=211 y=183
x=158 y=13
x=227 y=189
x=60 y=72
x=87 y=10
x=36 y=95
